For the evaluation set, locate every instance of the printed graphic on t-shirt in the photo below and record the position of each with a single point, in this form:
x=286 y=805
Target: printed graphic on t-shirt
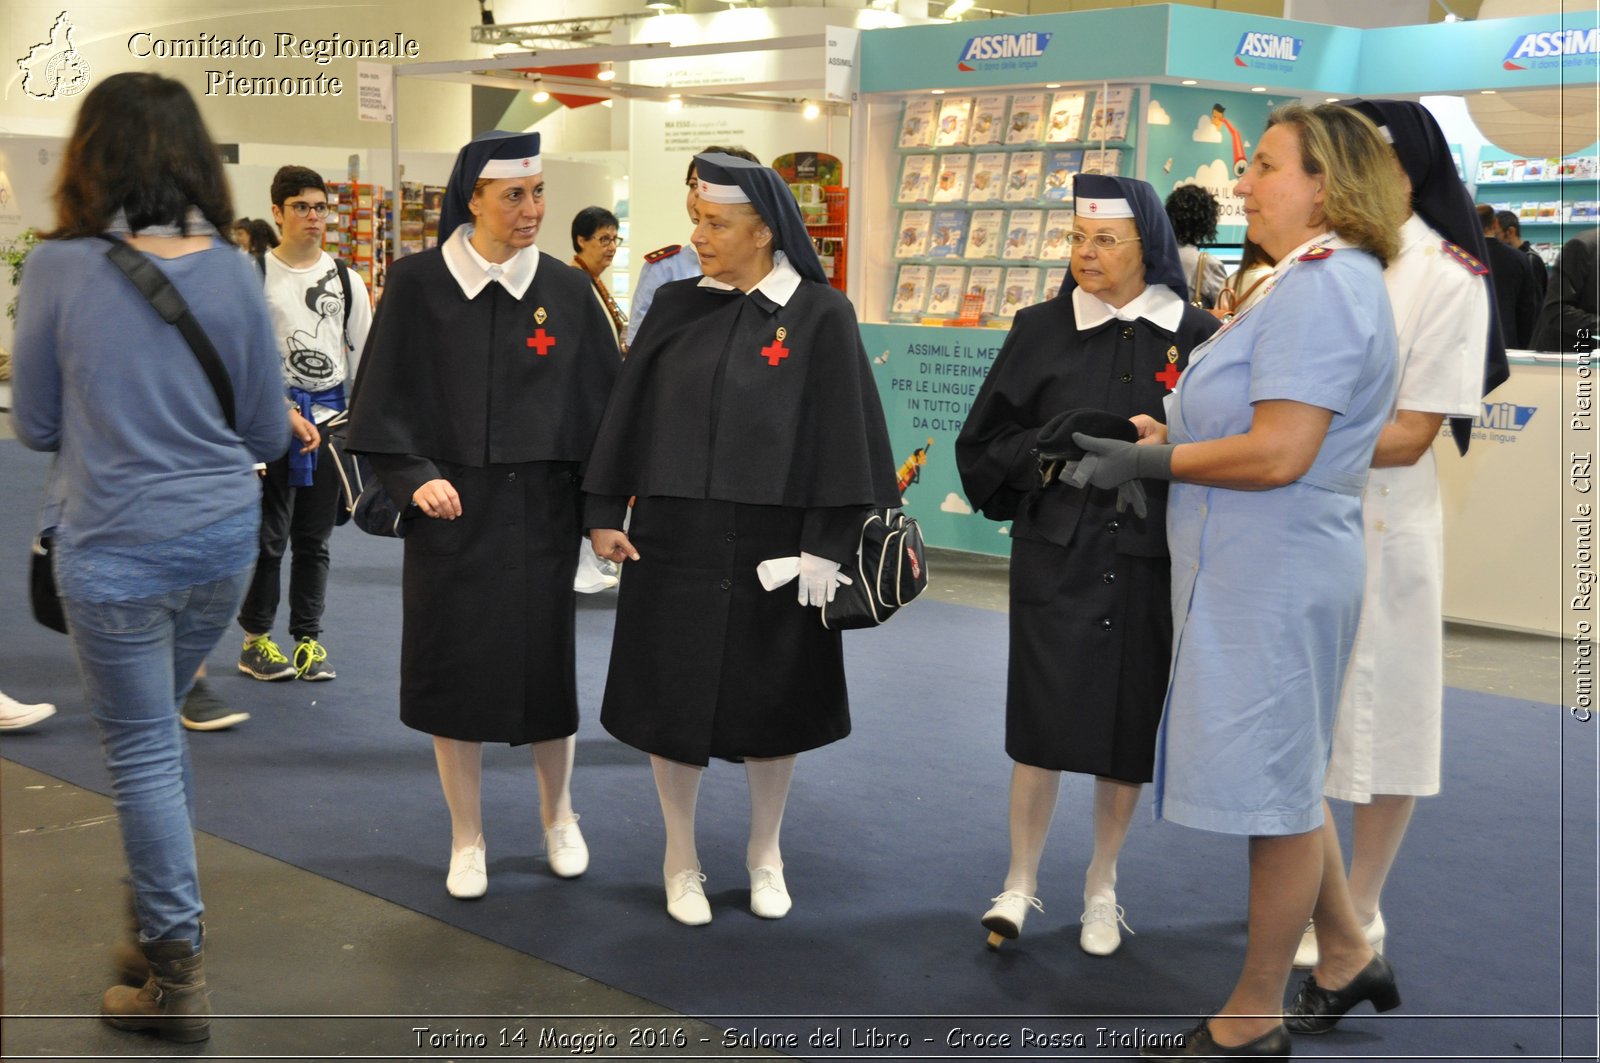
x=312 y=358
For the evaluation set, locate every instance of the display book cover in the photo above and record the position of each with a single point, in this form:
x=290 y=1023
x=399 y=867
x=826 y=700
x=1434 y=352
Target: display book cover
x=985 y=281
x=988 y=123
x=915 y=226
x=1066 y=117
x=1022 y=176
x=916 y=178
x=948 y=234
x=1054 y=278
x=911 y=290
x=984 y=234
x=1109 y=120
x=1098 y=160
x=1026 y=124
x=944 y=295
x=953 y=114
x=1022 y=234
x=1021 y=289
x=1059 y=170
x=988 y=177
x=917 y=123
x=951 y=184
x=1057 y=224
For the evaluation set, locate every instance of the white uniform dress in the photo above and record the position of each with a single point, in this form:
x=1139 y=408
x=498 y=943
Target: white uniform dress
x=1386 y=737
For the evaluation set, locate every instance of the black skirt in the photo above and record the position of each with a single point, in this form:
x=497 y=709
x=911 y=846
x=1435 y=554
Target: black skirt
x=1091 y=639
x=705 y=663
x=490 y=615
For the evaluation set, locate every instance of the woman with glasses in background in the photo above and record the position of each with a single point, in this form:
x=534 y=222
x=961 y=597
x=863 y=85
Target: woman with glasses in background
x=594 y=244
x=1091 y=621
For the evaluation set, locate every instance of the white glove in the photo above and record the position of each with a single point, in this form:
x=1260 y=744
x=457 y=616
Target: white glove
x=819 y=579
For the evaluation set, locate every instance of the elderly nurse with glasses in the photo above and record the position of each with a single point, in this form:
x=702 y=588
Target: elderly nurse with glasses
x=1091 y=623
x=747 y=424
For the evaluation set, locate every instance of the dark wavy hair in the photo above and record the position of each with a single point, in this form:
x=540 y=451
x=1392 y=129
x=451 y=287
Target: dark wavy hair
x=262 y=236
x=589 y=221
x=1192 y=209
x=139 y=145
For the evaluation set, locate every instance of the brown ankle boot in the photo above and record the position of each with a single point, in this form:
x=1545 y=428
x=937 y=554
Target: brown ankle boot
x=172 y=1004
x=129 y=964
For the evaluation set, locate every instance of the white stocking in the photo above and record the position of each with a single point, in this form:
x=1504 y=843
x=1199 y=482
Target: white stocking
x=678 y=786
x=769 y=792
x=1114 y=802
x=1033 y=805
x=461 y=779
x=552 y=762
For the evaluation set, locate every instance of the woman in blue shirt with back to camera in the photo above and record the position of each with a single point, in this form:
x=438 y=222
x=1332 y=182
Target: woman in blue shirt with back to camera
x=153 y=502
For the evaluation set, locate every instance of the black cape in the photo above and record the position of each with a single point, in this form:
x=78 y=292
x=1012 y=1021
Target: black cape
x=712 y=405
x=459 y=380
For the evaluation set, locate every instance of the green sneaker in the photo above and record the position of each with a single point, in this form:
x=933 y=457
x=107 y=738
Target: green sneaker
x=311 y=661
x=261 y=659
x=204 y=711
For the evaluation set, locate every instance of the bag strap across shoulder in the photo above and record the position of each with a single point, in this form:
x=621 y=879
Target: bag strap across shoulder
x=159 y=292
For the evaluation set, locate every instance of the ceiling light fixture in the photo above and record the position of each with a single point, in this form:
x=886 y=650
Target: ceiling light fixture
x=1258 y=88
x=810 y=111
x=664 y=6
x=607 y=72
x=936 y=92
x=883 y=5
x=486 y=12
x=539 y=93
x=1189 y=81
x=956 y=8
x=675 y=102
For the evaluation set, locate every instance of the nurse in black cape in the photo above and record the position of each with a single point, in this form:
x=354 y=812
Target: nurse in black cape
x=747 y=426
x=1091 y=618
x=484 y=378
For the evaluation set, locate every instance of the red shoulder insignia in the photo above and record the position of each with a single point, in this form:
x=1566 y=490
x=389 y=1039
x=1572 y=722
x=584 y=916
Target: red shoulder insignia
x=663 y=253
x=1461 y=255
x=1316 y=254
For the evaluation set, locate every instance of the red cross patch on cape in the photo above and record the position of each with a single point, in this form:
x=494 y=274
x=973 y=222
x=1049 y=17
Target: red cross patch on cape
x=1316 y=254
x=1461 y=255
x=663 y=253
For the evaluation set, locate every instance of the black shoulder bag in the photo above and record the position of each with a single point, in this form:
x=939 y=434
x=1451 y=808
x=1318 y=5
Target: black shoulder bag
x=160 y=293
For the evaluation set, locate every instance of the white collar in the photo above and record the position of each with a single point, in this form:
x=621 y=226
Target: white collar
x=473 y=272
x=779 y=285
x=1157 y=304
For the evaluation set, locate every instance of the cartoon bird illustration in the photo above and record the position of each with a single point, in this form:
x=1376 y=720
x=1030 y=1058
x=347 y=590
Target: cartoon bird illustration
x=1166 y=167
x=882 y=359
x=911 y=469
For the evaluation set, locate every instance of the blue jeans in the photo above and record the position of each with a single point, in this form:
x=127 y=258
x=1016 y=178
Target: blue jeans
x=138 y=660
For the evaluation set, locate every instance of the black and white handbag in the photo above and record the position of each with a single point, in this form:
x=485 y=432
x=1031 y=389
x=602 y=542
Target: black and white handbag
x=889 y=570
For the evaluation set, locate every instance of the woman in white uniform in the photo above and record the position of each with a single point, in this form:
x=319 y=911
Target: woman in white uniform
x=1386 y=737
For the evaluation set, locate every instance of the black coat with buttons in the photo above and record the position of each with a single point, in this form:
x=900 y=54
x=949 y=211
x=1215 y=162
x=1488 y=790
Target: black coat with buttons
x=502 y=397
x=1091 y=620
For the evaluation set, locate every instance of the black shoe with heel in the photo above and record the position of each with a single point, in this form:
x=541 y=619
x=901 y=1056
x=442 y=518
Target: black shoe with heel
x=1316 y=1010
x=1199 y=1044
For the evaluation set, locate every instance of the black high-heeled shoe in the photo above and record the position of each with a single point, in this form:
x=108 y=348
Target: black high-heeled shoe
x=1199 y=1044
x=1316 y=1010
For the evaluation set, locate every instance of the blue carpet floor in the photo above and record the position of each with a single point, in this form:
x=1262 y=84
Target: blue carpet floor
x=894 y=841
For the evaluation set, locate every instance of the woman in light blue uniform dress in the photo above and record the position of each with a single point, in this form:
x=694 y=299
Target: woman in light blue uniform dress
x=1270 y=433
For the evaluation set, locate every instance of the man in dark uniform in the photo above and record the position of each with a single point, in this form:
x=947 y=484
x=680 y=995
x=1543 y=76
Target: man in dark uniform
x=1509 y=230
x=1511 y=277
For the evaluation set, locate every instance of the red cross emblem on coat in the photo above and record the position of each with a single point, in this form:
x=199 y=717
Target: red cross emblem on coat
x=1169 y=375
x=541 y=341
x=775 y=351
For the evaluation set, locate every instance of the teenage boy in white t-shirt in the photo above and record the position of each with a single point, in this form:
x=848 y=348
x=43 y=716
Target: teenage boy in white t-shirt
x=320 y=314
